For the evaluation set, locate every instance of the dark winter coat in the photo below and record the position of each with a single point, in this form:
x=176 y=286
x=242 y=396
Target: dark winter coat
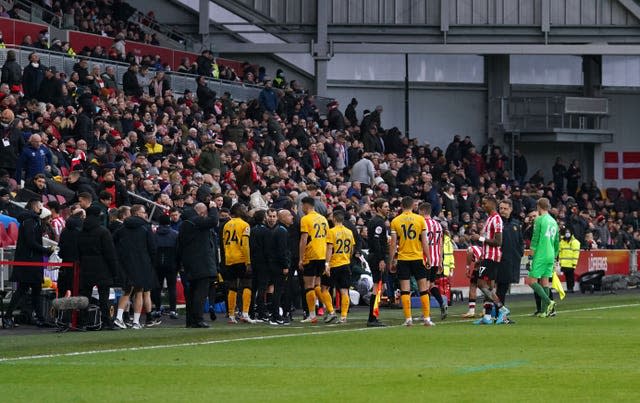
x=166 y=241
x=512 y=251
x=31 y=80
x=258 y=243
x=29 y=249
x=197 y=248
x=11 y=73
x=51 y=91
x=9 y=153
x=130 y=84
x=97 y=254
x=136 y=252
x=278 y=250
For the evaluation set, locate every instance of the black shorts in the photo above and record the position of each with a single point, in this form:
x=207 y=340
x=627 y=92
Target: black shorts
x=375 y=271
x=314 y=268
x=341 y=277
x=409 y=268
x=325 y=280
x=432 y=273
x=237 y=272
x=488 y=270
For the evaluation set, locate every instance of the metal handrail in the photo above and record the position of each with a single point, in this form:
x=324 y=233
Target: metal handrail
x=163 y=29
x=31 y=6
x=154 y=204
x=179 y=81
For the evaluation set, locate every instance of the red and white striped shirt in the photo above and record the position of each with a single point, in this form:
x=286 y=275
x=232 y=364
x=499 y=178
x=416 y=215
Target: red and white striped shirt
x=434 y=240
x=492 y=227
x=58 y=225
x=477 y=252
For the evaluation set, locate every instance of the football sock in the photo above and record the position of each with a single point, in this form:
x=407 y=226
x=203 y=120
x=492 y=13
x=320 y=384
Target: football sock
x=550 y=292
x=544 y=295
x=425 y=300
x=405 y=298
x=120 y=313
x=136 y=317
x=344 y=305
x=472 y=305
x=232 y=297
x=372 y=317
x=311 y=302
x=487 y=308
x=246 y=300
x=269 y=304
x=435 y=291
x=318 y=292
x=326 y=300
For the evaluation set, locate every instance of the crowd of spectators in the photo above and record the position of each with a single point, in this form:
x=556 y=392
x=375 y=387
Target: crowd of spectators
x=87 y=140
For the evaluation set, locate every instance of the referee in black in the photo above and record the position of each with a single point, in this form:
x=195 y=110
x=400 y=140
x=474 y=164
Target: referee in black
x=512 y=251
x=378 y=251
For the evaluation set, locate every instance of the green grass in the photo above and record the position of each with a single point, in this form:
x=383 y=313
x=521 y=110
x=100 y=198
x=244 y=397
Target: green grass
x=581 y=355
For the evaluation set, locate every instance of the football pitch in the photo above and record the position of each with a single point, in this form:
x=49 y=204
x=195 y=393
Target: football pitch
x=589 y=352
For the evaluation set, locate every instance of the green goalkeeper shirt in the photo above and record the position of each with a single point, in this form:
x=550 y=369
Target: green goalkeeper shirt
x=545 y=243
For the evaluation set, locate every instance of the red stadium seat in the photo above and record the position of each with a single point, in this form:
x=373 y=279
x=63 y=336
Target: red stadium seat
x=612 y=193
x=3 y=236
x=12 y=231
x=627 y=193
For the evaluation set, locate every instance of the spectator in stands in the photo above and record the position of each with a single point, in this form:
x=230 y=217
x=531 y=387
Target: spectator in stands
x=130 y=84
x=574 y=174
x=159 y=85
x=205 y=64
x=28 y=249
x=12 y=142
x=51 y=88
x=520 y=167
x=372 y=141
x=206 y=96
x=32 y=76
x=187 y=67
x=268 y=98
x=559 y=171
x=109 y=78
x=35 y=159
x=350 y=113
x=11 y=70
x=335 y=117
x=363 y=170
x=454 y=153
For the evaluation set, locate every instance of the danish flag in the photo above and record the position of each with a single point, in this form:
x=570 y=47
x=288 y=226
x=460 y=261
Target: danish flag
x=627 y=167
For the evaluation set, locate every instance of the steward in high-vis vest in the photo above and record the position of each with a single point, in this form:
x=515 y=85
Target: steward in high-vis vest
x=568 y=256
x=448 y=261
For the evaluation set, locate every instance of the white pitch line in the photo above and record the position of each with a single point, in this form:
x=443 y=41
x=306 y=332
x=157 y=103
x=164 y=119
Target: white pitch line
x=254 y=338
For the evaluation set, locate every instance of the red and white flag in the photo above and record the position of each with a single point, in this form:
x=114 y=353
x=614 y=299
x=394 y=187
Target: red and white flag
x=621 y=165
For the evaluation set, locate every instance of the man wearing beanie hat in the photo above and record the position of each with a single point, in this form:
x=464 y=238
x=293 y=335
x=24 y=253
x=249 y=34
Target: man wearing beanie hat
x=98 y=261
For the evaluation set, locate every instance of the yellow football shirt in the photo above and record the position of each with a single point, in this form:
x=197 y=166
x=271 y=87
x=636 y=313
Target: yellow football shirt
x=408 y=228
x=235 y=237
x=343 y=243
x=316 y=227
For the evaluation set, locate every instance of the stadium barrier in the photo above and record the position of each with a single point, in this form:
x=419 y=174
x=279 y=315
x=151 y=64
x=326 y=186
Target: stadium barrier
x=612 y=261
x=76 y=278
x=13 y=31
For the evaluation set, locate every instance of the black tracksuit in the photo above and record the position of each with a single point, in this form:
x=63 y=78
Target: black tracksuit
x=278 y=258
x=258 y=243
x=512 y=251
